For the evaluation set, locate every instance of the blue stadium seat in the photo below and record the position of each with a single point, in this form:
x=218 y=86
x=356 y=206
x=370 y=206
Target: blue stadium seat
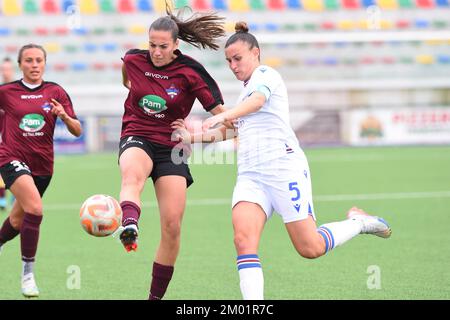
x=90 y=47
x=272 y=27
x=330 y=61
x=5 y=31
x=110 y=47
x=79 y=66
x=67 y=3
x=81 y=31
x=421 y=23
x=293 y=4
x=367 y=3
x=144 y=5
x=443 y=59
x=253 y=27
x=442 y=3
x=219 y=4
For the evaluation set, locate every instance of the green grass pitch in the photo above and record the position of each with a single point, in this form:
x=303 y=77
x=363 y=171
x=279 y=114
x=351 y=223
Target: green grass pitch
x=408 y=186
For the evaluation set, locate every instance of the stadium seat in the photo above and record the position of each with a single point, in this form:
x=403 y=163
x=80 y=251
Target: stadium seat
x=52 y=47
x=309 y=26
x=144 y=6
x=330 y=61
x=196 y=4
x=421 y=23
x=79 y=66
x=30 y=7
x=98 y=66
x=424 y=59
x=253 y=27
x=405 y=60
x=403 y=24
x=275 y=4
x=160 y=5
x=80 y=31
x=327 y=25
x=5 y=31
x=313 y=5
x=137 y=29
x=346 y=25
x=11 y=8
x=443 y=59
x=23 y=32
x=331 y=4
x=116 y=65
x=90 y=47
x=98 y=31
x=125 y=6
x=350 y=4
x=110 y=47
x=368 y=3
x=271 y=27
x=425 y=4
x=66 y=4
x=41 y=31
x=219 y=5
x=257 y=5
x=50 y=7
x=119 y=30
x=107 y=6
x=442 y=3
x=61 y=31
x=405 y=4
x=440 y=24
x=88 y=7
x=387 y=4
x=388 y=60
x=293 y=4
x=367 y=60
x=238 y=6
x=70 y=48
x=60 y=66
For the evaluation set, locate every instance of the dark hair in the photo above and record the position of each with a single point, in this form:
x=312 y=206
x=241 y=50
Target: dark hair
x=31 y=46
x=243 y=35
x=200 y=30
x=7 y=59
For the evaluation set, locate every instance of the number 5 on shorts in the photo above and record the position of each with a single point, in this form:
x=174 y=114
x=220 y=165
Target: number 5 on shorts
x=293 y=187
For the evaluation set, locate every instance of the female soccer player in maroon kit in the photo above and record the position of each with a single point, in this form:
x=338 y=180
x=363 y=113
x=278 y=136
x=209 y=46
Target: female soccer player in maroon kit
x=31 y=107
x=163 y=84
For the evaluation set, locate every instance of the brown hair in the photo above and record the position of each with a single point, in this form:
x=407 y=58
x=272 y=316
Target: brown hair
x=200 y=30
x=243 y=35
x=31 y=46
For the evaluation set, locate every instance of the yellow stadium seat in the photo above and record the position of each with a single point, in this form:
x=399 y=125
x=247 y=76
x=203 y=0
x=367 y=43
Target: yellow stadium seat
x=273 y=62
x=143 y=45
x=229 y=26
x=313 y=5
x=425 y=59
x=88 y=6
x=387 y=4
x=434 y=42
x=386 y=24
x=160 y=5
x=138 y=29
x=238 y=6
x=52 y=47
x=346 y=25
x=11 y=8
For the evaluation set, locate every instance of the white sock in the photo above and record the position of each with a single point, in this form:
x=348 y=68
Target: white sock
x=27 y=267
x=337 y=233
x=251 y=277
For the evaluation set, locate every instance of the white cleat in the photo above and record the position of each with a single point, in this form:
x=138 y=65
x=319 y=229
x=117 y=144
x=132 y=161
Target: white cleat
x=29 y=288
x=370 y=224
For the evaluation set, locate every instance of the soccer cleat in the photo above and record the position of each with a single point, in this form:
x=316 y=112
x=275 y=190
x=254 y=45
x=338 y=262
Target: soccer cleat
x=29 y=288
x=370 y=224
x=129 y=236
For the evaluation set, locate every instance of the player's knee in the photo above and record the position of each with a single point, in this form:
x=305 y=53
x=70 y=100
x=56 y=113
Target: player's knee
x=171 y=230
x=35 y=208
x=16 y=222
x=310 y=251
x=132 y=181
x=242 y=242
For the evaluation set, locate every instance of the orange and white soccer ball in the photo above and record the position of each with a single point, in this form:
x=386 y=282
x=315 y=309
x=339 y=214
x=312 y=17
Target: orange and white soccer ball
x=100 y=215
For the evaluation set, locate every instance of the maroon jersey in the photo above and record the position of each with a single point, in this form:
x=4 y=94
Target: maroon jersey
x=29 y=125
x=160 y=95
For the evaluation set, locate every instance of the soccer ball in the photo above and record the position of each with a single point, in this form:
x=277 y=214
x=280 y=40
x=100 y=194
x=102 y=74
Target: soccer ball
x=100 y=215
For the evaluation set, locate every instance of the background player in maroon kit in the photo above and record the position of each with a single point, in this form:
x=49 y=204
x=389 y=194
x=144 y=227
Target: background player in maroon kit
x=163 y=86
x=31 y=107
x=7 y=75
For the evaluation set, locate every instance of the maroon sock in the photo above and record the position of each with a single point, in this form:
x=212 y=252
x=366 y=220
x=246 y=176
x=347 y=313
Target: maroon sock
x=29 y=236
x=7 y=232
x=130 y=213
x=2 y=192
x=161 y=278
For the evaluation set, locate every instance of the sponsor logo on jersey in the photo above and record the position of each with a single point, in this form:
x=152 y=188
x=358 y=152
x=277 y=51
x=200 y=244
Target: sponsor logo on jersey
x=263 y=70
x=46 y=107
x=152 y=104
x=172 y=91
x=32 y=122
x=31 y=96
x=156 y=75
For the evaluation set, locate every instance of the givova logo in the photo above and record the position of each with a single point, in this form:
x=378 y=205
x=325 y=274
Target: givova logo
x=152 y=104
x=32 y=122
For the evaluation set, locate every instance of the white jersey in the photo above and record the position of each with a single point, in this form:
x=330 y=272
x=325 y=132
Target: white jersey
x=265 y=135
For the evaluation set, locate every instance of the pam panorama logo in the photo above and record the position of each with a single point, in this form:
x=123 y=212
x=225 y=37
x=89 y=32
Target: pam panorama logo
x=32 y=122
x=152 y=104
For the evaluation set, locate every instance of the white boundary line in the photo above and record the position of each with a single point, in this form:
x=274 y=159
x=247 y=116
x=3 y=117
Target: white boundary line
x=320 y=198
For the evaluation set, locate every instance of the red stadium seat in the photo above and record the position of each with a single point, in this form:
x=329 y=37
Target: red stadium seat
x=350 y=4
x=41 y=31
x=116 y=65
x=125 y=6
x=403 y=24
x=61 y=31
x=60 y=66
x=275 y=4
x=328 y=25
x=426 y=4
x=200 y=5
x=50 y=7
x=98 y=66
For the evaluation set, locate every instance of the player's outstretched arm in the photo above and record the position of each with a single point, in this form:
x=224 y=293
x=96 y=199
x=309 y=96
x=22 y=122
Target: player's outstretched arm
x=73 y=125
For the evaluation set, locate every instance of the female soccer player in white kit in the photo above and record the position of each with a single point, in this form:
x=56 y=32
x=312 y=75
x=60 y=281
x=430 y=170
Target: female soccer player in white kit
x=273 y=172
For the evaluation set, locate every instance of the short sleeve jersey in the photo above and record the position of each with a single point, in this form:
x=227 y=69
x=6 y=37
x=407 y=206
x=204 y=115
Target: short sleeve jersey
x=160 y=95
x=265 y=135
x=29 y=125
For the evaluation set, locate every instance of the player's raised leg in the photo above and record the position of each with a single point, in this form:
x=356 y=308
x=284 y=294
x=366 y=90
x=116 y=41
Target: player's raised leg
x=248 y=223
x=11 y=226
x=135 y=167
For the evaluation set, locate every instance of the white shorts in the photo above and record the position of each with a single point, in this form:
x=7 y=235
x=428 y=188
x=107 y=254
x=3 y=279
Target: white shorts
x=284 y=186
